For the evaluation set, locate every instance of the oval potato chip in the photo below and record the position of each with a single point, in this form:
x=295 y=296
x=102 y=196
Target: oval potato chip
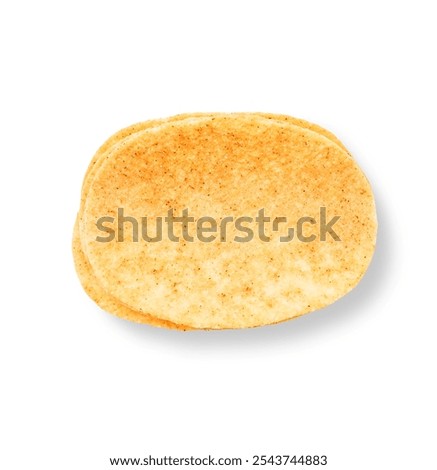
x=221 y=167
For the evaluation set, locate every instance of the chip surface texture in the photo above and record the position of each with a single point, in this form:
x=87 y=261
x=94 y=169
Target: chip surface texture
x=216 y=221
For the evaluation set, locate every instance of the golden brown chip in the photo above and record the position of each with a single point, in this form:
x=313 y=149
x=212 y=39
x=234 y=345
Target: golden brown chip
x=230 y=166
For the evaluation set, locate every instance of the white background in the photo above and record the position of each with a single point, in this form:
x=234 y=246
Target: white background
x=355 y=381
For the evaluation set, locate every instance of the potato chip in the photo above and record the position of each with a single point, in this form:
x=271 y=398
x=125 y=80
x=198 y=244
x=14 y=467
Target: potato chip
x=221 y=167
